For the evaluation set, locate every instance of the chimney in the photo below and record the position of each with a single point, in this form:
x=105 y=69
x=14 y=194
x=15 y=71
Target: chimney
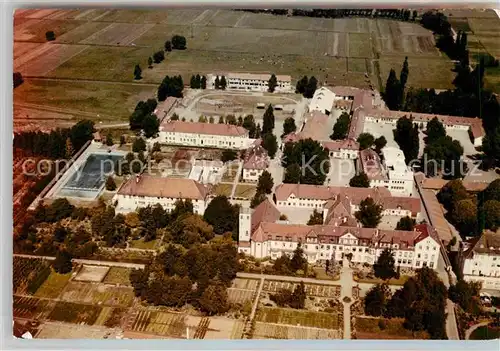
x=137 y=178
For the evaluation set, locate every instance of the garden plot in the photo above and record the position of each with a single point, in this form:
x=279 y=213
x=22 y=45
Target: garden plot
x=91 y=273
x=75 y=313
x=274 y=331
x=50 y=59
x=294 y=317
x=221 y=328
x=98 y=294
x=29 y=274
x=319 y=290
x=249 y=284
x=53 y=285
x=164 y=323
x=368 y=328
x=70 y=331
x=245 y=191
x=240 y=295
x=30 y=307
x=118 y=34
x=118 y=275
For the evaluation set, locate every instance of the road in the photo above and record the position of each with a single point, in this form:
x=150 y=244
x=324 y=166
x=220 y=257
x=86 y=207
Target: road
x=237 y=178
x=347 y=283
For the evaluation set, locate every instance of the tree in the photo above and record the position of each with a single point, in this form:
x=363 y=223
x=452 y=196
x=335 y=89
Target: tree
x=192 y=82
x=203 y=82
x=376 y=300
x=168 y=46
x=270 y=143
x=50 y=35
x=222 y=215
x=123 y=140
x=414 y=17
x=139 y=281
x=392 y=91
x=109 y=140
x=406 y=136
x=265 y=183
x=466 y=294
x=257 y=199
x=341 y=127
x=283 y=297
x=272 y=83
x=315 y=218
x=228 y=155
x=178 y=42
x=60 y=233
x=380 y=143
x=403 y=78
x=435 y=130
x=110 y=184
x=384 y=267
x=365 y=140
x=69 y=149
x=151 y=125
x=312 y=160
x=360 y=180
x=301 y=85
x=150 y=62
x=170 y=86
x=249 y=124
x=137 y=72
x=217 y=82
x=62 y=264
x=18 y=79
x=464 y=216
x=223 y=83
x=452 y=192
x=221 y=119
x=298 y=298
x=158 y=56
x=370 y=213
x=231 y=119
x=298 y=260
x=492 y=191
x=268 y=120
x=491 y=210
x=406 y=223
x=288 y=126
x=292 y=174
x=214 y=300
x=139 y=145
x=311 y=87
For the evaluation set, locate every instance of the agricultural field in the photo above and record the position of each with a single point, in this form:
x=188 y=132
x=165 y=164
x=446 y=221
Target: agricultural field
x=298 y=317
x=75 y=313
x=53 y=285
x=163 y=323
x=369 y=328
x=101 y=294
x=317 y=290
x=29 y=274
x=273 y=331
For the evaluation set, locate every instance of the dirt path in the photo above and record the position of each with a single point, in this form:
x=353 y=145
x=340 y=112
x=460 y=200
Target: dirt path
x=237 y=178
x=89 y=262
x=28 y=78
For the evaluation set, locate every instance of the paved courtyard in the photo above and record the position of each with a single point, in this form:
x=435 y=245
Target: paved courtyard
x=296 y=215
x=341 y=171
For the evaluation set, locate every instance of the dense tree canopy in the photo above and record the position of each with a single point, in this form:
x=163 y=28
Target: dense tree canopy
x=406 y=136
x=170 y=86
x=222 y=216
x=360 y=180
x=341 y=127
x=311 y=158
x=289 y=126
x=315 y=218
x=406 y=223
x=270 y=143
x=376 y=300
x=384 y=266
x=369 y=213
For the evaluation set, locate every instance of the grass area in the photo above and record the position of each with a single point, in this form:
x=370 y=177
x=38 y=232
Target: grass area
x=36 y=31
x=98 y=294
x=357 y=65
x=117 y=275
x=144 y=245
x=298 y=317
x=103 y=99
x=75 y=313
x=369 y=328
x=485 y=333
x=402 y=279
x=53 y=286
x=246 y=191
x=222 y=189
x=321 y=274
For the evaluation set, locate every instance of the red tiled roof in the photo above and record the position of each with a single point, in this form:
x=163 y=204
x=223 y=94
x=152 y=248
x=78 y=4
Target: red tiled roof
x=256 y=158
x=264 y=212
x=203 y=128
x=175 y=188
x=345 y=144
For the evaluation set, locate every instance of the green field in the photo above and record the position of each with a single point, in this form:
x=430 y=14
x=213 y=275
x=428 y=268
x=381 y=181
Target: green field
x=75 y=313
x=485 y=333
x=53 y=286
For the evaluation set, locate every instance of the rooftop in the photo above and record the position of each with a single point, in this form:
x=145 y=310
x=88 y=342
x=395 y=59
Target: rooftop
x=174 y=188
x=256 y=158
x=203 y=128
x=322 y=100
x=257 y=76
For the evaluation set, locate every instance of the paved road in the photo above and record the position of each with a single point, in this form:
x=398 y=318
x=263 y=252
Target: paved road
x=451 y=322
x=90 y=262
x=347 y=283
x=236 y=178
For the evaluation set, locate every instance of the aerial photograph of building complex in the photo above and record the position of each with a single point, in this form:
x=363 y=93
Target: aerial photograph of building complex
x=205 y=173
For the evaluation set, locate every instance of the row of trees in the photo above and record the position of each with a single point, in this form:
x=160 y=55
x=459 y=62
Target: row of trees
x=198 y=82
x=401 y=14
x=269 y=140
x=59 y=143
x=220 y=83
x=306 y=86
x=170 y=86
x=394 y=87
x=421 y=302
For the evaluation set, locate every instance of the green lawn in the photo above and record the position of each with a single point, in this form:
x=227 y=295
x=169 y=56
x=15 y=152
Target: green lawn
x=141 y=244
x=485 y=333
x=402 y=279
x=298 y=317
x=369 y=328
x=53 y=286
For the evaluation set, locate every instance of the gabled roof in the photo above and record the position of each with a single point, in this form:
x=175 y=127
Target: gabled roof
x=203 y=128
x=256 y=158
x=174 y=188
x=264 y=212
x=488 y=243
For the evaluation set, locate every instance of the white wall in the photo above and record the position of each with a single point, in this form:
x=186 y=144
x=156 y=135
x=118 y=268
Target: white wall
x=252 y=175
x=128 y=204
x=482 y=264
x=205 y=140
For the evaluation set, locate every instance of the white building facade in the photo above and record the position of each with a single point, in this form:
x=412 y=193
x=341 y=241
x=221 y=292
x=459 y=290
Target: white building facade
x=146 y=191
x=197 y=134
x=251 y=82
x=482 y=261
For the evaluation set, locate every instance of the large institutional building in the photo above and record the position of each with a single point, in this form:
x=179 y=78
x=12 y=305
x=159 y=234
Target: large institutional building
x=262 y=234
x=251 y=82
x=146 y=190
x=482 y=261
x=222 y=136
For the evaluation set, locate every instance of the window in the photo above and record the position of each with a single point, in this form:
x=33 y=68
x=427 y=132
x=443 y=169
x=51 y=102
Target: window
x=431 y=264
x=418 y=263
